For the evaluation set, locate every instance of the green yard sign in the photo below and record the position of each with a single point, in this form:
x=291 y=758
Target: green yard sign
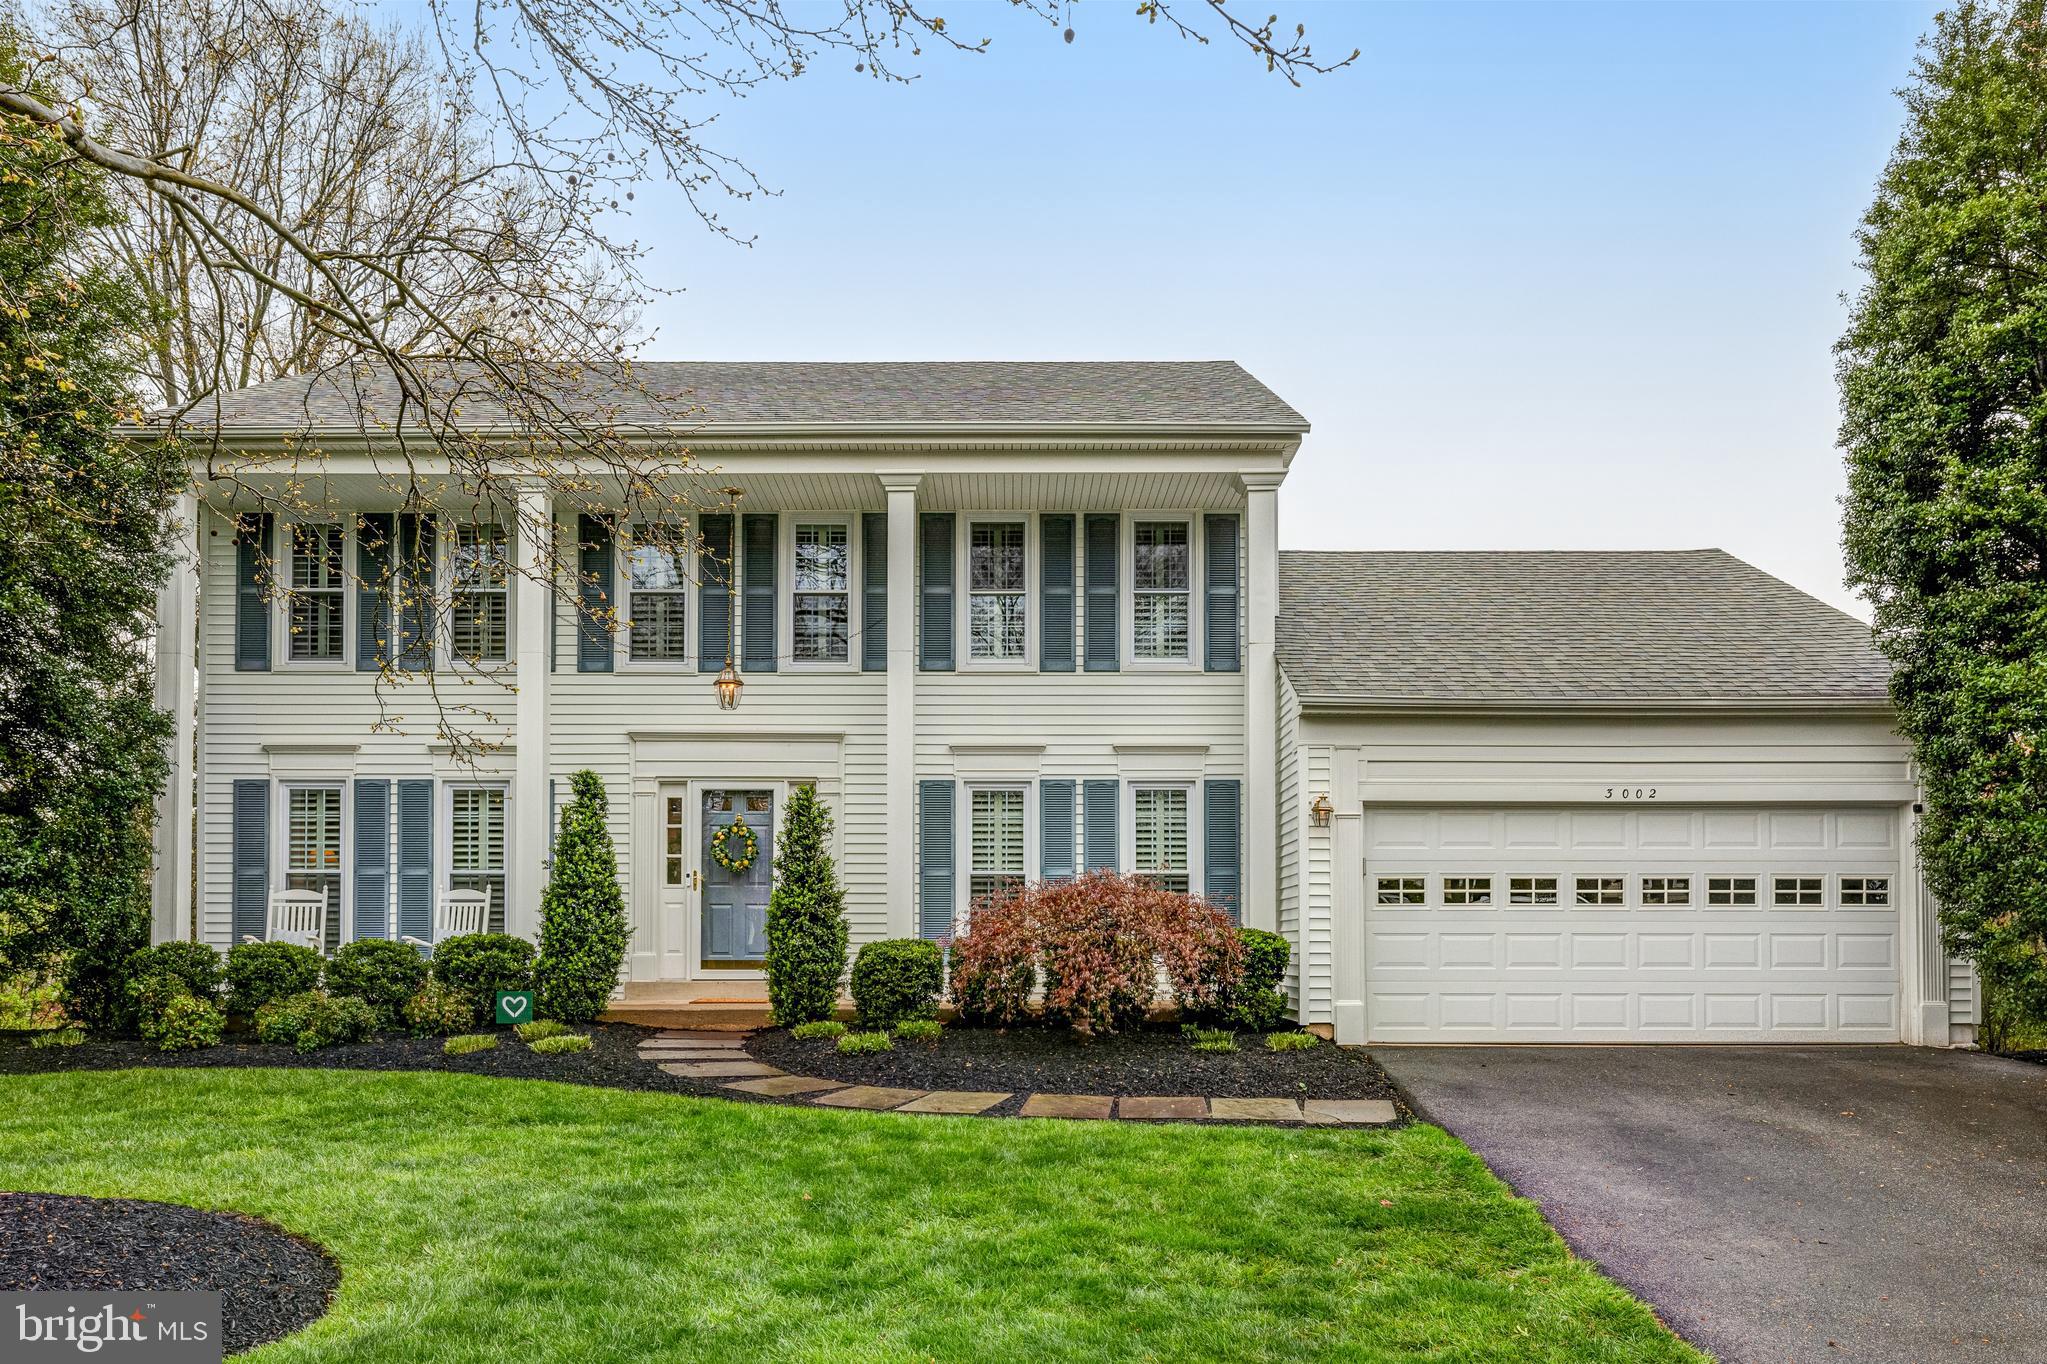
x=515 y=1006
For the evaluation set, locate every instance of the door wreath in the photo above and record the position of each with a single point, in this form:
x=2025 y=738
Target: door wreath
x=749 y=846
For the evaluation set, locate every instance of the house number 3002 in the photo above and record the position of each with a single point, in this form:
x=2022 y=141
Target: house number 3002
x=1631 y=793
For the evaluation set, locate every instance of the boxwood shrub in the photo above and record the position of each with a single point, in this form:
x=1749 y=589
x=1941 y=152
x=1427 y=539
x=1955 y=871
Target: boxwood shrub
x=181 y=1021
x=1256 y=1005
x=436 y=1010
x=380 y=972
x=895 y=980
x=195 y=965
x=314 y=1019
x=259 y=972
x=480 y=964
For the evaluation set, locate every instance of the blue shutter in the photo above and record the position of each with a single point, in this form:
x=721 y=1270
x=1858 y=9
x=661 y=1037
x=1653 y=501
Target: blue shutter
x=1102 y=552
x=1055 y=604
x=935 y=628
x=714 y=585
x=416 y=859
x=372 y=858
x=1055 y=830
x=935 y=893
x=374 y=536
x=251 y=834
x=554 y=530
x=416 y=592
x=757 y=593
x=1222 y=844
x=1219 y=619
x=253 y=568
x=594 y=567
x=874 y=592
x=1098 y=824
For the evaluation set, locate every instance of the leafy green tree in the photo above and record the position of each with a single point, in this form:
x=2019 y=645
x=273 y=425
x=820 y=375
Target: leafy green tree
x=582 y=913
x=806 y=916
x=1943 y=374
x=82 y=531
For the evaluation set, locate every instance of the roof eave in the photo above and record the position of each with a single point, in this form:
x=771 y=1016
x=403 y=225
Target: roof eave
x=249 y=433
x=1846 y=704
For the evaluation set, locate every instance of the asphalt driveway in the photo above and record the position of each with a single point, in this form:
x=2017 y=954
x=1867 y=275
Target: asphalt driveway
x=1836 y=1203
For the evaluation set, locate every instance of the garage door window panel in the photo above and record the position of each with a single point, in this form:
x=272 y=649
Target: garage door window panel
x=1731 y=892
x=1403 y=890
x=1666 y=892
x=1601 y=891
x=1805 y=892
x=1467 y=890
x=1861 y=891
x=1531 y=890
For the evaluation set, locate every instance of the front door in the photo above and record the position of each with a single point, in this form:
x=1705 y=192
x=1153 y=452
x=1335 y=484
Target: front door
x=739 y=852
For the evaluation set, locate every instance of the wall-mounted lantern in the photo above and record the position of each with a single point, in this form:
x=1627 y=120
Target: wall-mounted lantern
x=1320 y=811
x=728 y=683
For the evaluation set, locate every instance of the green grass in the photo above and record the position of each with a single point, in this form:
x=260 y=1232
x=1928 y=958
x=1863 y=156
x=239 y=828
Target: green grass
x=478 y=1219
x=557 y=1044
x=541 y=1029
x=1291 y=1041
x=864 y=1043
x=470 y=1042
x=823 y=1027
x=925 y=1030
x=1213 y=1039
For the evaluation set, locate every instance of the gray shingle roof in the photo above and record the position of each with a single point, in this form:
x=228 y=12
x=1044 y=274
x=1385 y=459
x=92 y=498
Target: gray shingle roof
x=1115 y=393
x=1512 y=627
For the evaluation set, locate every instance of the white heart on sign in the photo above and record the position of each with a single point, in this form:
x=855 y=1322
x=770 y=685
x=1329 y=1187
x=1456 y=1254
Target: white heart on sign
x=513 y=1005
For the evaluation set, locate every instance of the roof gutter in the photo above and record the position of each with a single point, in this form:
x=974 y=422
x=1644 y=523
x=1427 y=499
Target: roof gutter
x=1846 y=705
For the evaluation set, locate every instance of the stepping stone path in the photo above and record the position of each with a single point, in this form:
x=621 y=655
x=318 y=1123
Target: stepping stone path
x=721 y=1057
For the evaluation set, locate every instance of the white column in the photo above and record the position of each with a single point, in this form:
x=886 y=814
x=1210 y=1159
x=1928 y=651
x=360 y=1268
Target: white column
x=902 y=699
x=177 y=681
x=1261 y=704
x=533 y=576
x=1346 y=834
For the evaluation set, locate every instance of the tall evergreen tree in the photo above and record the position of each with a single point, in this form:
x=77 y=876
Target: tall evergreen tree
x=82 y=530
x=806 y=916
x=583 y=928
x=1943 y=377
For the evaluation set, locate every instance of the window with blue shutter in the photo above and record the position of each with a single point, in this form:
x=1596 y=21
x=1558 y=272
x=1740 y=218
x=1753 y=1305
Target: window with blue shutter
x=375 y=587
x=874 y=592
x=1055 y=605
x=253 y=567
x=594 y=566
x=416 y=592
x=935 y=852
x=1056 y=860
x=1222 y=844
x=935 y=631
x=714 y=587
x=1103 y=551
x=372 y=858
x=416 y=860
x=757 y=635
x=250 y=832
x=1098 y=824
x=1219 y=621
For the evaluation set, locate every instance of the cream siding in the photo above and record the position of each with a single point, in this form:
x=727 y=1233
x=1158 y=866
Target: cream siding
x=1287 y=822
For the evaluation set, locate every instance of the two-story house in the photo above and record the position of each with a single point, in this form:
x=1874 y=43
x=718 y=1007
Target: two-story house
x=1017 y=620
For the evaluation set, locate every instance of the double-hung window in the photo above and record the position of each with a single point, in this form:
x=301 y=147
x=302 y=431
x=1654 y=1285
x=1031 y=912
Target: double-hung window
x=1162 y=585
x=995 y=853
x=1159 y=842
x=315 y=591
x=312 y=850
x=481 y=609
x=823 y=611
x=995 y=590
x=656 y=602
x=476 y=847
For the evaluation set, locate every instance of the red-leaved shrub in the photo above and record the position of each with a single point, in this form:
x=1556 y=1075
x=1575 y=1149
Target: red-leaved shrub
x=1099 y=945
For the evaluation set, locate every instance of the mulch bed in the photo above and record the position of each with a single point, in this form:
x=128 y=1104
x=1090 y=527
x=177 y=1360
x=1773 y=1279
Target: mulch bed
x=271 y=1283
x=1152 y=1061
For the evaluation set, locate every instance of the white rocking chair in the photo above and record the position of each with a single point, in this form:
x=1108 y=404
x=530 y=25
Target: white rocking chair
x=457 y=912
x=298 y=916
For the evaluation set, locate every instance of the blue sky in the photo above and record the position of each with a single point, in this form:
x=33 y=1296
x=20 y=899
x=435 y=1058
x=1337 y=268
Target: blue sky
x=1541 y=276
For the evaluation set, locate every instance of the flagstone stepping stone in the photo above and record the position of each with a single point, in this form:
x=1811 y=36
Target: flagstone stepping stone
x=876 y=1097
x=690 y=1043
x=1153 y=1109
x=781 y=1086
x=711 y=1070
x=1354 y=1111
x=694 y=1056
x=1068 y=1106
x=1255 y=1110
x=715 y=1039
x=954 y=1101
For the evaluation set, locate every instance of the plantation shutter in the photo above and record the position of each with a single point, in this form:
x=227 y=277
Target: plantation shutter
x=251 y=856
x=874 y=592
x=594 y=565
x=374 y=589
x=1098 y=824
x=1102 y=551
x=1055 y=595
x=1219 y=618
x=1222 y=844
x=416 y=859
x=935 y=878
x=554 y=530
x=372 y=858
x=714 y=602
x=416 y=592
x=252 y=606
x=935 y=628
x=757 y=592
x=1055 y=830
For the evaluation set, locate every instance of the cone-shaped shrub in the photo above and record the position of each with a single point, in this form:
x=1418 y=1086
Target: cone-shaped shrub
x=806 y=916
x=582 y=913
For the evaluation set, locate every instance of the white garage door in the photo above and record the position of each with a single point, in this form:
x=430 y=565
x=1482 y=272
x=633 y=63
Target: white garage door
x=1641 y=924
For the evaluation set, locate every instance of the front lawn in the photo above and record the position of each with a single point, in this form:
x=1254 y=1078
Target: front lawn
x=502 y=1220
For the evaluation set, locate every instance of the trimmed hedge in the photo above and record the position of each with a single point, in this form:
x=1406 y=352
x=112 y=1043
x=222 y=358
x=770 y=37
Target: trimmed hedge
x=1256 y=1005
x=478 y=965
x=314 y=1019
x=897 y=979
x=380 y=972
x=260 y=972
x=194 y=964
x=182 y=1022
x=436 y=1010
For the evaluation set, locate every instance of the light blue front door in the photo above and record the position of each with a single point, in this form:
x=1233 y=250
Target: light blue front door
x=736 y=901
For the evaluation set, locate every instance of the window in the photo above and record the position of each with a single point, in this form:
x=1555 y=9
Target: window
x=1731 y=890
x=1865 y=890
x=1162 y=581
x=995 y=590
x=312 y=849
x=476 y=847
x=1666 y=890
x=1160 y=840
x=996 y=848
x=1403 y=890
x=656 y=595
x=824 y=580
x=671 y=848
x=1531 y=890
x=316 y=591
x=1467 y=890
x=1601 y=890
x=1798 y=890
x=480 y=614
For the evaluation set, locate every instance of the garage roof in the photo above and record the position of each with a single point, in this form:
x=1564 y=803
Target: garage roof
x=1563 y=627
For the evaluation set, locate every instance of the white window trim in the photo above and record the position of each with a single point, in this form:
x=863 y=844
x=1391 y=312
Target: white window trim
x=1768 y=885
x=963 y=841
x=622 y=659
x=280 y=845
x=1570 y=890
x=1126 y=612
x=444 y=582
x=785 y=627
x=1495 y=889
x=1503 y=889
x=963 y=592
x=1702 y=896
x=444 y=842
x=281 y=615
x=1890 y=891
x=1126 y=830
